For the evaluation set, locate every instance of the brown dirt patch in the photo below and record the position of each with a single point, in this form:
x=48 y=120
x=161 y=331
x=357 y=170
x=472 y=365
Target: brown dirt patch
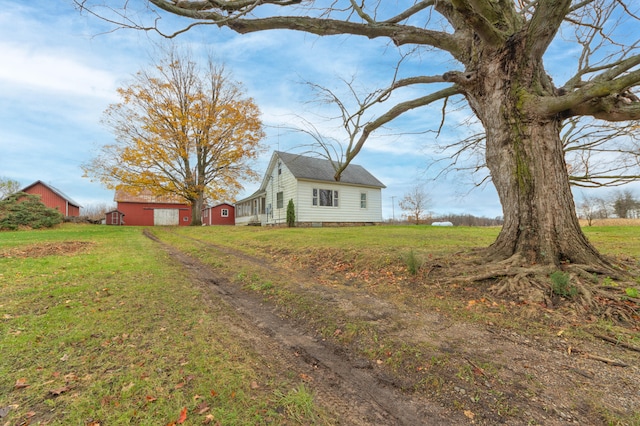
x=63 y=248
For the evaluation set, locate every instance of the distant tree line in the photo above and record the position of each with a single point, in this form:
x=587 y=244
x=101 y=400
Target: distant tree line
x=456 y=219
x=416 y=203
x=469 y=220
x=622 y=204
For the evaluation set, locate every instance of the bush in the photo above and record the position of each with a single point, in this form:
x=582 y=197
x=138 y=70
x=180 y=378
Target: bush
x=291 y=214
x=560 y=284
x=22 y=209
x=413 y=263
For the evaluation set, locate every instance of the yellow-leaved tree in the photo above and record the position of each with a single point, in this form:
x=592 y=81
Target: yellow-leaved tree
x=180 y=129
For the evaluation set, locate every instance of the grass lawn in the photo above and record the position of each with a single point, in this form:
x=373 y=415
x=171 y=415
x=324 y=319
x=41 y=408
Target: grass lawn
x=98 y=326
x=107 y=331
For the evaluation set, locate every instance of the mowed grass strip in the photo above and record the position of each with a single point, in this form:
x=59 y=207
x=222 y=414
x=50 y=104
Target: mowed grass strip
x=609 y=237
x=380 y=259
x=116 y=334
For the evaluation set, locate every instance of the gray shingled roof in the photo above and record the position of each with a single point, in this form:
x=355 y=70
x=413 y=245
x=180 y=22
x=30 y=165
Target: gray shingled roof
x=322 y=170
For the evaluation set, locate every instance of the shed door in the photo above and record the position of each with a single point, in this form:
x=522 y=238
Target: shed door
x=166 y=217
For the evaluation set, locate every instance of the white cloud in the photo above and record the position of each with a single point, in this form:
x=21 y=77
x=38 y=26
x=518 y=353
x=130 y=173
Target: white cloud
x=54 y=72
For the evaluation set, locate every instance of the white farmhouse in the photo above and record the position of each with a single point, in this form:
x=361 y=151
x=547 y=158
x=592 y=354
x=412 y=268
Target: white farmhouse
x=319 y=199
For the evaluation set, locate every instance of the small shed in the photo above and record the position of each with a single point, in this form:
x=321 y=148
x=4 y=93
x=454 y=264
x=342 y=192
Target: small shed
x=53 y=198
x=221 y=214
x=114 y=217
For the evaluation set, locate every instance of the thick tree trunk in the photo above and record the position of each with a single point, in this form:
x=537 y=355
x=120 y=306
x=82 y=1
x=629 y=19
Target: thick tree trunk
x=525 y=157
x=528 y=169
x=196 y=211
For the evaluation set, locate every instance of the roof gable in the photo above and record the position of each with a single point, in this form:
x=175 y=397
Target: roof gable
x=222 y=205
x=317 y=169
x=52 y=189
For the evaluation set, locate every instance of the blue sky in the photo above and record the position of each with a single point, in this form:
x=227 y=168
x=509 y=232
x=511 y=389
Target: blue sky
x=60 y=70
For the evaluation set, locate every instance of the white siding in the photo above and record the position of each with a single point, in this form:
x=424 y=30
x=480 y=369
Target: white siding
x=348 y=209
x=301 y=191
x=286 y=183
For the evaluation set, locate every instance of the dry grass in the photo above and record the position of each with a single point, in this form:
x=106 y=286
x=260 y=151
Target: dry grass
x=611 y=222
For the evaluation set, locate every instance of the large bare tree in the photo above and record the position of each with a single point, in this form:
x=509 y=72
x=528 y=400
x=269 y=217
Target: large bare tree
x=496 y=52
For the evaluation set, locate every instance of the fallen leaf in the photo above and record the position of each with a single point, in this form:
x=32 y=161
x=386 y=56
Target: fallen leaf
x=469 y=414
x=150 y=398
x=213 y=393
x=64 y=357
x=208 y=419
x=183 y=416
x=21 y=383
x=255 y=385
x=59 y=391
x=128 y=387
x=203 y=408
x=306 y=377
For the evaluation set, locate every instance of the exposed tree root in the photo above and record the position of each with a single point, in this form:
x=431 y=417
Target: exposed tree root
x=595 y=289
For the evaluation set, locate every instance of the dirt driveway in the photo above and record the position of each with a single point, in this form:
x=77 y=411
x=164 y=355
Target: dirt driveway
x=428 y=369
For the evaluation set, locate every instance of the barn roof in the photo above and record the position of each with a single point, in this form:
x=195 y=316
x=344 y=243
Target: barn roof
x=310 y=168
x=133 y=195
x=54 y=190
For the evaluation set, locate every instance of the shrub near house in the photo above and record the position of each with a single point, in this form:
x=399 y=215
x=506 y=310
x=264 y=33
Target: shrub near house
x=26 y=210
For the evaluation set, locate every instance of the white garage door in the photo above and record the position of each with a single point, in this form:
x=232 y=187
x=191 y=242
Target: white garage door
x=166 y=217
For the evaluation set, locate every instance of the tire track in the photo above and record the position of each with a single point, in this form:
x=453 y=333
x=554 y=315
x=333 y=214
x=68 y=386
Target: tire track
x=348 y=389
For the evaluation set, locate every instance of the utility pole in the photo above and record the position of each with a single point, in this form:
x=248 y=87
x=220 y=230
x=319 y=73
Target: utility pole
x=393 y=208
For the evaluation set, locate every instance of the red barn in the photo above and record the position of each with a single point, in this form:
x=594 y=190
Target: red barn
x=143 y=208
x=222 y=214
x=114 y=217
x=53 y=198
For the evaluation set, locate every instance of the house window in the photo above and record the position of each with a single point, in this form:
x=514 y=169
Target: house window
x=363 y=200
x=224 y=212
x=325 y=197
x=279 y=200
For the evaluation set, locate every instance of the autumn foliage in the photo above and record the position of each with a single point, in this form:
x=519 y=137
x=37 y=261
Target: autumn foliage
x=183 y=131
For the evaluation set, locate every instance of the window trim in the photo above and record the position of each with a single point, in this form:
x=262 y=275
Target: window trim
x=280 y=199
x=224 y=212
x=363 y=200
x=316 y=198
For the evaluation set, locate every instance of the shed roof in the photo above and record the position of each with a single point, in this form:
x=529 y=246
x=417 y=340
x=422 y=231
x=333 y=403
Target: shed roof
x=311 y=168
x=52 y=189
x=134 y=195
